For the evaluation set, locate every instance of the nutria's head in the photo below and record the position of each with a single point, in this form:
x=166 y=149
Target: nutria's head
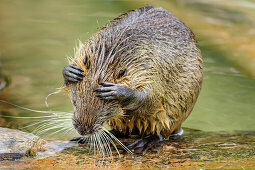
x=89 y=111
x=99 y=65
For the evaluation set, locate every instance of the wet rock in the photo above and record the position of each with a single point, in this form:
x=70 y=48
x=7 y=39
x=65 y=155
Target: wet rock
x=15 y=144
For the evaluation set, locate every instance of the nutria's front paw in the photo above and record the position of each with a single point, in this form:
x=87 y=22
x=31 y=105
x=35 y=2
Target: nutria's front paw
x=72 y=73
x=114 y=91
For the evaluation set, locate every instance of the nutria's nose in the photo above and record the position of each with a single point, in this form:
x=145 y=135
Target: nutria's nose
x=79 y=128
x=82 y=130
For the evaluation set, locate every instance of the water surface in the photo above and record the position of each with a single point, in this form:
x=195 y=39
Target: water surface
x=37 y=37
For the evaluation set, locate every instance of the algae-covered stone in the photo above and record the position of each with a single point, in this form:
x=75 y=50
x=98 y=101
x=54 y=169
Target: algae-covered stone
x=15 y=144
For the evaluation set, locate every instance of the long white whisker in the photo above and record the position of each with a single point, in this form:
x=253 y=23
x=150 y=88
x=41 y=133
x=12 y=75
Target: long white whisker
x=55 y=120
x=85 y=140
x=68 y=130
x=62 y=129
x=50 y=128
x=41 y=126
x=32 y=110
x=47 y=123
x=100 y=149
x=101 y=145
x=17 y=117
x=94 y=145
x=91 y=144
x=105 y=144
x=113 y=144
x=33 y=124
x=108 y=145
x=124 y=147
x=46 y=99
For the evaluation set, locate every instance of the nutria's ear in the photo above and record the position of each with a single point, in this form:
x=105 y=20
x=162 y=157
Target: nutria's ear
x=86 y=62
x=122 y=73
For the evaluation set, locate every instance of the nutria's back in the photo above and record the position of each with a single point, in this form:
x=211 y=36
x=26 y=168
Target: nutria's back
x=159 y=53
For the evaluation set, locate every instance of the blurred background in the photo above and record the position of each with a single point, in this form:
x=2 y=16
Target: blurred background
x=37 y=36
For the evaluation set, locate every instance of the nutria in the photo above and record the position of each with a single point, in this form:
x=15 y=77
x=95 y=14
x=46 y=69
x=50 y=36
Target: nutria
x=141 y=73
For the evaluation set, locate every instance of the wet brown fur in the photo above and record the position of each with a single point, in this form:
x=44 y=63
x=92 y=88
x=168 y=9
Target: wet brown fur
x=160 y=54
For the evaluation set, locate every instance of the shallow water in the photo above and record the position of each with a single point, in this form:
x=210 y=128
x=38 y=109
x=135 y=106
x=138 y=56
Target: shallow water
x=37 y=37
x=194 y=150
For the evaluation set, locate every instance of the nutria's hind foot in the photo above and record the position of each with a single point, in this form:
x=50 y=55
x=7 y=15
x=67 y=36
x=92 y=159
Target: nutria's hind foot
x=72 y=73
x=141 y=146
x=152 y=142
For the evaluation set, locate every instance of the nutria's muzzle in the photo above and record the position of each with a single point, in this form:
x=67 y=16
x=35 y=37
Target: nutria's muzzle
x=85 y=126
x=83 y=131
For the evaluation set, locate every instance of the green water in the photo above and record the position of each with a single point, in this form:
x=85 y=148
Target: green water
x=37 y=37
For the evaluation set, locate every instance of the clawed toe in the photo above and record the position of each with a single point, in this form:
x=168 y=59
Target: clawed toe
x=114 y=91
x=72 y=73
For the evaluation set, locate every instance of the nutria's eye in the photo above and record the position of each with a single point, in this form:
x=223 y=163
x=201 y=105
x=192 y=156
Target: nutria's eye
x=122 y=73
x=86 y=62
